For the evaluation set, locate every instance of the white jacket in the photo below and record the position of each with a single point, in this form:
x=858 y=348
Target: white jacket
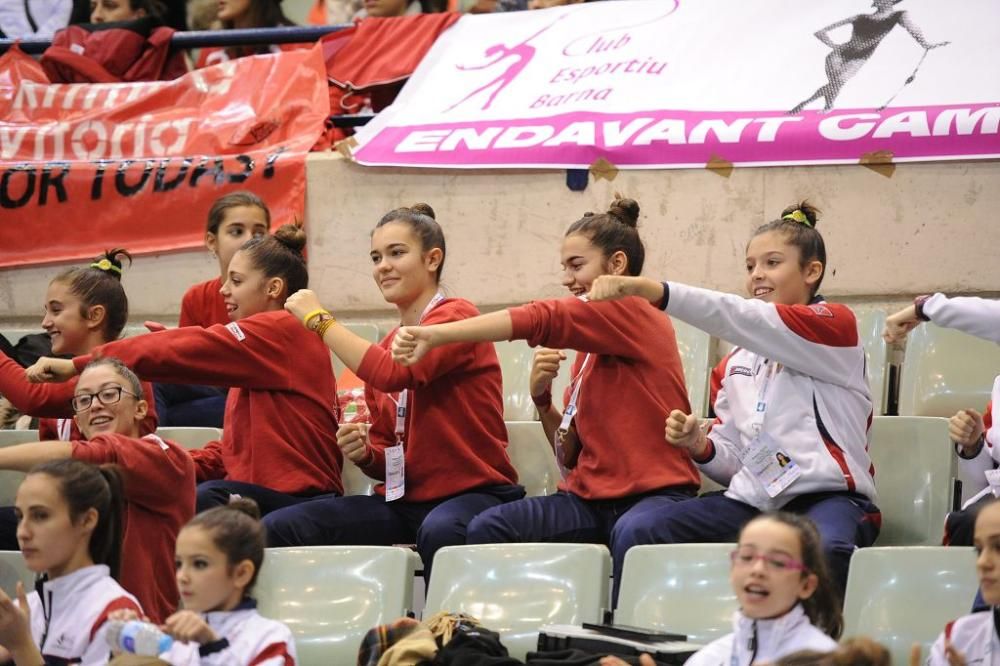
x=246 y=638
x=972 y=635
x=819 y=402
x=69 y=614
x=759 y=641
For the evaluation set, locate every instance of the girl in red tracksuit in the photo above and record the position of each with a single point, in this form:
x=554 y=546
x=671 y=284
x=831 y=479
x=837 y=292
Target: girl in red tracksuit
x=626 y=379
x=450 y=435
x=278 y=447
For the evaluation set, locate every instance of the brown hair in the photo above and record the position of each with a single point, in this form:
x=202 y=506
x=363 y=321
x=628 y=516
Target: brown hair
x=134 y=384
x=243 y=198
x=860 y=651
x=420 y=217
x=100 y=283
x=153 y=8
x=236 y=530
x=263 y=14
x=615 y=231
x=823 y=607
x=798 y=223
x=280 y=255
x=85 y=486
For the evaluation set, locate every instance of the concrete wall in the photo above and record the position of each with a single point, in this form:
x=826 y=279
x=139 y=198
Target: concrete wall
x=929 y=227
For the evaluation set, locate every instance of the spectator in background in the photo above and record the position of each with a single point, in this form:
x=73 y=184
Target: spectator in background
x=202 y=14
x=243 y=14
x=383 y=8
x=518 y=5
x=109 y=11
x=333 y=12
x=39 y=19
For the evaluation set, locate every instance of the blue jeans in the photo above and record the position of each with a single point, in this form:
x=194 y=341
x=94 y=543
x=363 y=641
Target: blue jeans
x=215 y=493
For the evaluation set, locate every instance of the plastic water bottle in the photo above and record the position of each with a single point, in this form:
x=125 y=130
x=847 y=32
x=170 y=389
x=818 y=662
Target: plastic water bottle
x=137 y=637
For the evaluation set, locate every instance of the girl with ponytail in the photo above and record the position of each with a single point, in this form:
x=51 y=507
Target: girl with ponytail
x=626 y=379
x=278 y=447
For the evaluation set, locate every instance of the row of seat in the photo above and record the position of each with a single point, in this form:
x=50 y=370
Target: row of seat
x=330 y=596
x=915 y=471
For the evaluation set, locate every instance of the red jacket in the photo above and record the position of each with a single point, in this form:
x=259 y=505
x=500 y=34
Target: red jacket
x=50 y=402
x=203 y=305
x=456 y=439
x=159 y=500
x=280 y=423
x=631 y=383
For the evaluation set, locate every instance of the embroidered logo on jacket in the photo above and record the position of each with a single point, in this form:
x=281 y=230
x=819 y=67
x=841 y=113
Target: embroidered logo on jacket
x=821 y=310
x=237 y=332
x=740 y=370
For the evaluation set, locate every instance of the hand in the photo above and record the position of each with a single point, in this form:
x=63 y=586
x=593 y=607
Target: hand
x=951 y=653
x=683 y=431
x=644 y=660
x=154 y=326
x=412 y=343
x=15 y=621
x=48 y=369
x=188 y=626
x=352 y=438
x=302 y=303
x=898 y=325
x=937 y=45
x=613 y=287
x=126 y=615
x=544 y=368
x=965 y=428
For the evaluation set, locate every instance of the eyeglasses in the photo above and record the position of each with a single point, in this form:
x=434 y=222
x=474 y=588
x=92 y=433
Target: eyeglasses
x=744 y=557
x=107 y=396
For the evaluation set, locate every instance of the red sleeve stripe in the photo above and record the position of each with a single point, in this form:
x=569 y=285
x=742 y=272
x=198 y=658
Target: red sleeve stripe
x=121 y=603
x=822 y=323
x=274 y=651
x=835 y=451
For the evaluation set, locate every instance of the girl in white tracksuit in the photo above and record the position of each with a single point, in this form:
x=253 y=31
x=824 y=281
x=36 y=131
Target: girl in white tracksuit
x=793 y=404
x=219 y=554
x=977 y=440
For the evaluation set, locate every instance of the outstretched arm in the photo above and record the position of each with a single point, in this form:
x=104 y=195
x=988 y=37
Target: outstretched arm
x=488 y=63
x=917 y=33
x=350 y=348
x=413 y=342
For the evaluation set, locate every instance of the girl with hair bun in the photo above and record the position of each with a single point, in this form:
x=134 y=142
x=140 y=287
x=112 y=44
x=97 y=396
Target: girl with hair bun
x=626 y=379
x=451 y=425
x=278 y=446
x=796 y=384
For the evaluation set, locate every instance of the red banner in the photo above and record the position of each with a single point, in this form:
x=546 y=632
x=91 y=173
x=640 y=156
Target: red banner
x=87 y=167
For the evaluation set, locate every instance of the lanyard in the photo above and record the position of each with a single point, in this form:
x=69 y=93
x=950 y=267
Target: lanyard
x=760 y=409
x=401 y=404
x=65 y=429
x=571 y=410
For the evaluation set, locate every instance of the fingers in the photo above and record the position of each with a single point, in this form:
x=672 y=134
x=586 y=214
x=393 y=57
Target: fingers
x=352 y=439
x=154 y=326
x=22 y=598
x=915 y=654
x=954 y=657
x=678 y=428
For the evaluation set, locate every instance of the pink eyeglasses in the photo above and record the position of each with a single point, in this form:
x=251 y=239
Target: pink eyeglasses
x=745 y=557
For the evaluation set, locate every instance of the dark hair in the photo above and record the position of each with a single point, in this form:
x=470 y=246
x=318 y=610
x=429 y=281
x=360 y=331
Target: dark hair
x=615 y=231
x=243 y=198
x=823 y=607
x=84 y=487
x=798 y=224
x=420 y=217
x=154 y=8
x=280 y=255
x=860 y=651
x=263 y=14
x=236 y=530
x=100 y=283
x=134 y=384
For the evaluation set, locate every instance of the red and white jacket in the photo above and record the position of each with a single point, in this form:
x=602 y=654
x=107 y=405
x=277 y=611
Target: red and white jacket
x=70 y=615
x=245 y=637
x=975 y=636
x=819 y=402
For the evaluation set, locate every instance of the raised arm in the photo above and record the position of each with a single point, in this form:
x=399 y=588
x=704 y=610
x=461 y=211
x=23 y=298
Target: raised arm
x=41 y=400
x=916 y=33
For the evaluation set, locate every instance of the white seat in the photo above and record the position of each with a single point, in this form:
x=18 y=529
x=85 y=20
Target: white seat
x=945 y=370
x=532 y=457
x=190 y=438
x=12 y=570
x=515 y=589
x=330 y=596
x=9 y=479
x=355 y=481
x=915 y=469
x=870 y=326
x=695 y=348
x=683 y=588
x=365 y=330
x=902 y=596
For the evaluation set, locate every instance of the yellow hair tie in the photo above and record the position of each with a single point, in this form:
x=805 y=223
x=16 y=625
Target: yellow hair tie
x=798 y=216
x=106 y=265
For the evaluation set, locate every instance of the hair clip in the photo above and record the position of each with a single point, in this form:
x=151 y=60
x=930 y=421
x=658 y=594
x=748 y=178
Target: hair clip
x=798 y=216
x=106 y=265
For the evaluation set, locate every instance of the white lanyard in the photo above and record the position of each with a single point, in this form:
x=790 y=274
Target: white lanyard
x=760 y=407
x=395 y=468
x=65 y=429
x=567 y=418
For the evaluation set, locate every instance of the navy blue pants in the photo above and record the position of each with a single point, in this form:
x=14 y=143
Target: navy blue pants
x=190 y=406
x=368 y=520
x=568 y=518
x=845 y=521
x=214 y=493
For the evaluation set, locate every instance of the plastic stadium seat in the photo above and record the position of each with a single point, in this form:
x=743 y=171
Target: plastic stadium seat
x=915 y=468
x=682 y=588
x=695 y=347
x=532 y=456
x=515 y=589
x=944 y=371
x=330 y=596
x=515 y=366
x=190 y=438
x=902 y=596
x=10 y=480
x=870 y=325
x=13 y=569
x=355 y=481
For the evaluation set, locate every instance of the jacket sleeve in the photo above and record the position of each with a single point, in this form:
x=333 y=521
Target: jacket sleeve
x=976 y=316
x=274 y=646
x=597 y=327
x=97 y=651
x=208 y=464
x=819 y=340
x=40 y=400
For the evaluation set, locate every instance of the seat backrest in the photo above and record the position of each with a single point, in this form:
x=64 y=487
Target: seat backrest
x=532 y=457
x=365 y=330
x=682 y=588
x=190 y=438
x=12 y=570
x=945 y=370
x=903 y=596
x=9 y=479
x=695 y=348
x=870 y=326
x=517 y=588
x=330 y=596
x=915 y=468
x=355 y=481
